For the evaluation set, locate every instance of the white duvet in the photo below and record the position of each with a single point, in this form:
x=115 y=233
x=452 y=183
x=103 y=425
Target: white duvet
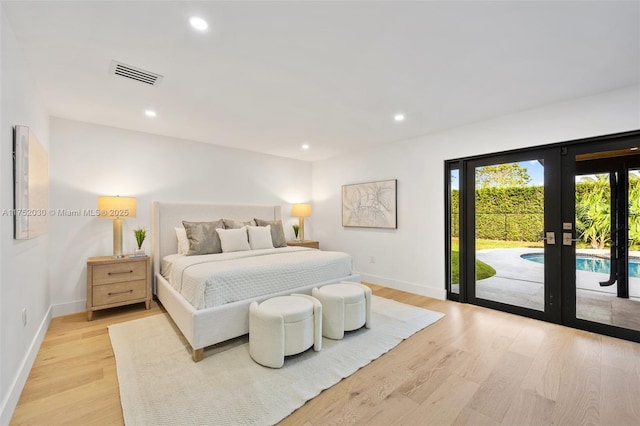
x=215 y=279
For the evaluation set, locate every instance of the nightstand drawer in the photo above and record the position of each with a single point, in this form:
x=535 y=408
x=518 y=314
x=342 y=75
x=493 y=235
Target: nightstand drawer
x=119 y=292
x=115 y=273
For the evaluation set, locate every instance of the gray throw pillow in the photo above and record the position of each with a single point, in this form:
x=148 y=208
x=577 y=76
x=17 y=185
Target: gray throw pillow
x=277 y=232
x=203 y=238
x=237 y=224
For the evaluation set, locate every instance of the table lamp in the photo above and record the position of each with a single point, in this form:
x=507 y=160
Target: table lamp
x=116 y=208
x=301 y=211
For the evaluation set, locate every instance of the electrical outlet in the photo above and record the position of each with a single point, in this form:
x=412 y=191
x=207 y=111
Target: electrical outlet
x=24 y=317
x=372 y=260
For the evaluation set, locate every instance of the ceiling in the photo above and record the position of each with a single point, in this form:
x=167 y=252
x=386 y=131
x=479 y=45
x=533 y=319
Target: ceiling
x=270 y=76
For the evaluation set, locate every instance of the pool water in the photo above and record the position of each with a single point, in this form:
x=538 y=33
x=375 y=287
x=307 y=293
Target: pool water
x=591 y=263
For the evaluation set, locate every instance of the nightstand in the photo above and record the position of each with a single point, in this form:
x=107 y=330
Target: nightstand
x=117 y=282
x=306 y=243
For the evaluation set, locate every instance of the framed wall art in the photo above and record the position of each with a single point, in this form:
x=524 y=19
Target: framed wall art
x=31 y=185
x=370 y=204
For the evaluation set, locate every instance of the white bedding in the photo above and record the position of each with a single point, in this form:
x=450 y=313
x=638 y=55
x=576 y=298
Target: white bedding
x=215 y=279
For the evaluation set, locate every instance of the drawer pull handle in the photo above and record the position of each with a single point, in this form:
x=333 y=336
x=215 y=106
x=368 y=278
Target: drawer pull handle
x=122 y=272
x=120 y=292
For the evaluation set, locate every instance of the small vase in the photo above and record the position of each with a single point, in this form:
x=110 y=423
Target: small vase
x=139 y=252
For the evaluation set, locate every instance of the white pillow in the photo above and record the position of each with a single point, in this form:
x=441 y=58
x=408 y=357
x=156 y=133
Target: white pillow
x=183 y=241
x=233 y=239
x=260 y=237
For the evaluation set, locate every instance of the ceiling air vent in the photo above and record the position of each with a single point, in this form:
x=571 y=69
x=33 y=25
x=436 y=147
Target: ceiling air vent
x=133 y=73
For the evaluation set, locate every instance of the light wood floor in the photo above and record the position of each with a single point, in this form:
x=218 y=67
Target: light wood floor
x=475 y=366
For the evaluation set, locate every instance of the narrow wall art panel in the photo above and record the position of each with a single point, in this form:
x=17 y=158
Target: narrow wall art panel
x=370 y=204
x=31 y=190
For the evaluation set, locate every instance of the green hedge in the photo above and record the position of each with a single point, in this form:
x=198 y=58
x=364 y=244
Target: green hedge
x=509 y=213
x=517 y=213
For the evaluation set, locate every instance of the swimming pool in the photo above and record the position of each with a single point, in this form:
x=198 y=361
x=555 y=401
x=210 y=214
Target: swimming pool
x=590 y=263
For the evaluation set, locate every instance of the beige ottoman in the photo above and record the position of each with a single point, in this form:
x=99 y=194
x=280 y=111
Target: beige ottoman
x=283 y=326
x=346 y=306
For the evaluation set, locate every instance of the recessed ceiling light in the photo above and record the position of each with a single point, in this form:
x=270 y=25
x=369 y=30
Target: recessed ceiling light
x=398 y=117
x=305 y=146
x=198 y=23
x=150 y=113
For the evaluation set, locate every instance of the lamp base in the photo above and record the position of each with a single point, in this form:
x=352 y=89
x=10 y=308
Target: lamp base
x=117 y=239
x=301 y=230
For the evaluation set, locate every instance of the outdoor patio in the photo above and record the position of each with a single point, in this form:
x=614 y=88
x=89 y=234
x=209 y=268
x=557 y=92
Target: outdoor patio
x=519 y=282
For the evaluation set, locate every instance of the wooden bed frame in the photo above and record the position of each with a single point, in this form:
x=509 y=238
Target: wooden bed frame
x=206 y=327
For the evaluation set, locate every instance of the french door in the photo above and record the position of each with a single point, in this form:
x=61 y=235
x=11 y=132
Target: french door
x=507 y=248
x=601 y=197
x=551 y=233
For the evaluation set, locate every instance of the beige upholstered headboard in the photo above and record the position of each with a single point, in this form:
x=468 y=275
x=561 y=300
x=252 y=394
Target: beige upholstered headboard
x=166 y=216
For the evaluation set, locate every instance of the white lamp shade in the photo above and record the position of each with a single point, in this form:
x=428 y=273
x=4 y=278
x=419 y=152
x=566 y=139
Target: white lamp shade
x=110 y=207
x=301 y=210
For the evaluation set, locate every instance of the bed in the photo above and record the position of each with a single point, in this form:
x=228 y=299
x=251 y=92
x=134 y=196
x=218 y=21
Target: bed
x=215 y=320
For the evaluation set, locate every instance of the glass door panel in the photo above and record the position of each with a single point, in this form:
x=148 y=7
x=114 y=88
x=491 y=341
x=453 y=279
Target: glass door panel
x=454 y=221
x=607 y=240
x=509 y=217
x=634 y=246
x=593 y=246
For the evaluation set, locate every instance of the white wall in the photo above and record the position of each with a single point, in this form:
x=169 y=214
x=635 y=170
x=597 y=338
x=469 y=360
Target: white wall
x=89 y=160
x=24 y=279
x=411 y=258
x=2 y=179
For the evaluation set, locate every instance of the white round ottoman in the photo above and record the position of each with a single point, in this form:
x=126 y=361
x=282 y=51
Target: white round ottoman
x=283 y=326
x=346 y=306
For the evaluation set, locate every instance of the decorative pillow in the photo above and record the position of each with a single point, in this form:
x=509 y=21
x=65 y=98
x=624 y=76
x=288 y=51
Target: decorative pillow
x=260 y=237
x=277 y=232
x=183 y=241
x=234 y=239
x=203 y=238
x=237 y=224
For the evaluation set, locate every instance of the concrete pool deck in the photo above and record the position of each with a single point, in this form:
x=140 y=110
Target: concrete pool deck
x=520 y=282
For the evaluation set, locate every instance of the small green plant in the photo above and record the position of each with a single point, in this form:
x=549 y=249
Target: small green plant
x=140 y=234
x=296 y=228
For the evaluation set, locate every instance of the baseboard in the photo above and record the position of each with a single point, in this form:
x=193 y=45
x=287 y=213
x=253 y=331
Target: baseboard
x=15 y=389
x=68 y=308
x=436 y=293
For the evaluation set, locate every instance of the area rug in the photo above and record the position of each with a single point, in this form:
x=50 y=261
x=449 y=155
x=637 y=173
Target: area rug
x=161 y=385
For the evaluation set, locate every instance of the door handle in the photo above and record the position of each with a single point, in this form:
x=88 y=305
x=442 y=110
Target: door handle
x=550 y=238
x=567 y=239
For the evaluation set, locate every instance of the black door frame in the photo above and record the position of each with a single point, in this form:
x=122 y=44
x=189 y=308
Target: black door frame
x=593 y=145
x=560 y=167
x=551 y=158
